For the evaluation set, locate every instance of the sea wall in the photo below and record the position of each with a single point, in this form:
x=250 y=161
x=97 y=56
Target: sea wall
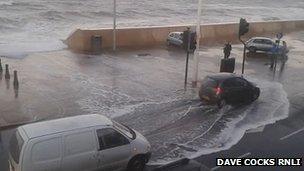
x=80 y=40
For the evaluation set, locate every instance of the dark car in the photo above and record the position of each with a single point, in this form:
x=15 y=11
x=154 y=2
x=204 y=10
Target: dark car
x=227 y=88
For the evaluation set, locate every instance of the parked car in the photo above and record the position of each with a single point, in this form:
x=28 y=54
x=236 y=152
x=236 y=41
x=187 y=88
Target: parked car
x=80 y=143
x=175 y=38
x=261 y=44
x=227 y=88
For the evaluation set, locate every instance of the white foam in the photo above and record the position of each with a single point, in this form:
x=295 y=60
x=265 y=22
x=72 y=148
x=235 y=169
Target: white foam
x=6 y=2
x=272 y=106
x=21 y=49
x=251 y=119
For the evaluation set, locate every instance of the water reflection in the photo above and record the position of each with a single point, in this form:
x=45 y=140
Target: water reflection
x=16 y=91
x=7 y=82
x=16 y=84
x=282 y=68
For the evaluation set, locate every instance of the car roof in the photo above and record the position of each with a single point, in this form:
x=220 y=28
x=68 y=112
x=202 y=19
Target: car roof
x=219 y=77
x=38 y=129
x=266 y=38
x=175 y=32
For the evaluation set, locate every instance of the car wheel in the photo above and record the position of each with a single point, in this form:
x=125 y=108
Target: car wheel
x=137 y=164
x=221 y=103
x=252 y=49
x=256 y=94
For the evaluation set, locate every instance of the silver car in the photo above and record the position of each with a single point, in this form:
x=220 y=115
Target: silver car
x=79 y=143
x=260 y=44
x=175 y=38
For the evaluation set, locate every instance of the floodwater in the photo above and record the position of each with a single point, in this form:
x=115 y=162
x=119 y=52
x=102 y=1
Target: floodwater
x=186 y=128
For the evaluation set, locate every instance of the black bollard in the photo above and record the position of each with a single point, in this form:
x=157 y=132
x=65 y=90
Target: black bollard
x=7 y=74
x=1 y=69
x=16 y=82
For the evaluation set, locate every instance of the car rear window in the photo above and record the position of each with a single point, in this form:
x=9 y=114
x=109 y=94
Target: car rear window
x=16 y=144
x=209 y=82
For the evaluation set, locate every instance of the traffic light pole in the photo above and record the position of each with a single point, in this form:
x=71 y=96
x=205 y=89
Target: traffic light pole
x=244 y=55
x=275 y=60
x=243 y=29
x=187 y=59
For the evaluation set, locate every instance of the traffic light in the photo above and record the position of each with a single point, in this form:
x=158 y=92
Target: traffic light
x=244 y=27
x=192 y=40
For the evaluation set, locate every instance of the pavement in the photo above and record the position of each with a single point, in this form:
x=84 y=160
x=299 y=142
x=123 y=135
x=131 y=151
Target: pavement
x=144 y=89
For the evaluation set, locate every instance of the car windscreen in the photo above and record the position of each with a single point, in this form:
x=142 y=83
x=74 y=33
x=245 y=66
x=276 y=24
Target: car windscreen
x=15 y=146
x=125 y=130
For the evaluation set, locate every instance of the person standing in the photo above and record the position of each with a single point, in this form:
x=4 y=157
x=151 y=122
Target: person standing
x=227 y=50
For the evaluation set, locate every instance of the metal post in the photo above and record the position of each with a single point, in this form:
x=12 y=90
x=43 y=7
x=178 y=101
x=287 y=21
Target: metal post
x=187 y=59
x=16 y=82
x=198 y=37
x=244 y=56
x=7 y=74
x=114 y=26
x=1 y=69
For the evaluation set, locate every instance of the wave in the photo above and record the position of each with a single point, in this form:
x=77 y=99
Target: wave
x=6 y=2
x=56 y=19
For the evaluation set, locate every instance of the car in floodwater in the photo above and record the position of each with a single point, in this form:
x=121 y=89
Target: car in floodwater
x=85 y=142
x=175 y=38
x=227 y=88
x=263 y=44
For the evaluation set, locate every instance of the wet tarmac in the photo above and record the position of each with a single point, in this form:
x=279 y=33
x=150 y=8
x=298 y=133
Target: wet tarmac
x=146 y=92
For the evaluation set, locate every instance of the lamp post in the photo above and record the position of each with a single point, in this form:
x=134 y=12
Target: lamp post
x=114 y=26
x=198 y=37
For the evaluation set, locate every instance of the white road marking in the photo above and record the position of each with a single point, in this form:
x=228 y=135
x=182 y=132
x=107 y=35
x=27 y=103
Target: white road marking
x=245 y=155
x=241 y=156
x=291 y=134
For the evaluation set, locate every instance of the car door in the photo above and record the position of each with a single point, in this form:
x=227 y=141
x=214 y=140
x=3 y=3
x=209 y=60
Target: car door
x=244 y=89
x=233 y=90
x=175 y=39
x=268 y=45
x=179 y=39
x=247 y=90
x=258 y=44
x=80 y=151
x=114 y=149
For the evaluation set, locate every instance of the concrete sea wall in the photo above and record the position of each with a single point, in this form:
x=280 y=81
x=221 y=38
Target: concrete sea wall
x=80 y=40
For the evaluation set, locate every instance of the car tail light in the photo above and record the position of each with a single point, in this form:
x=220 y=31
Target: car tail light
x=218 y=90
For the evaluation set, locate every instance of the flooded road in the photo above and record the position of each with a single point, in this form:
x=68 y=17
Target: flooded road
x=186 y=128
